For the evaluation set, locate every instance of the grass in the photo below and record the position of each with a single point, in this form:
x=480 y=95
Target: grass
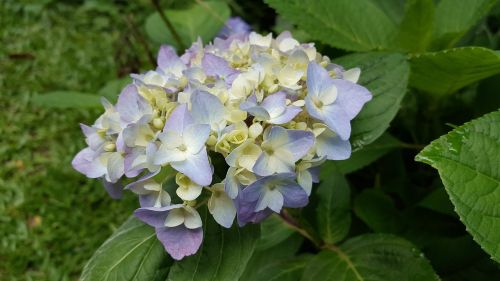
x=52 y=218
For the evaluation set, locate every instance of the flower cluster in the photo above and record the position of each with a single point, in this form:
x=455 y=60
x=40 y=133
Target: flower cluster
x=273 y=108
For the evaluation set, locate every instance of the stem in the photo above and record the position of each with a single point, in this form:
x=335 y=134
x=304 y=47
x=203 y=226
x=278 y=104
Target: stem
x=292 y=224
x=169 y=25
x=211 y=11
x=411 y=145
x=130 y=23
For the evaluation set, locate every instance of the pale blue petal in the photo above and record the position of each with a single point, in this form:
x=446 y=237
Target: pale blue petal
x=195 y=137
x=299 y=143
x=293 y=194
x=332 y=146
x=317 y=76
x=178 y=120
x=196 y=167
x=132 y=106
x=351 y=97
x=337 y=120
x=290 y=113
x=207 y=109
x=275 y=104
x=216 y=66
x=268 y=165
x=87 y=163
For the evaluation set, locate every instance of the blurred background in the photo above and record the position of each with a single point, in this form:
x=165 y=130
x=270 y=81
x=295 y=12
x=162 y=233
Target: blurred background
x=56 y=59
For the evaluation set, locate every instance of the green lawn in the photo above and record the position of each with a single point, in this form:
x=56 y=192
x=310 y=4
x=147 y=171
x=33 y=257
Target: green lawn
x=52 y=218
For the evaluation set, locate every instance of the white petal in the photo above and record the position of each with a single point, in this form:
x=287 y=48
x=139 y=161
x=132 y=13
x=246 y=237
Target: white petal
x=195 y=137
x=352 y=75
x=190 y=192
x=192 y=219
x=222 y=208
x=271 y=199
x=175 y=217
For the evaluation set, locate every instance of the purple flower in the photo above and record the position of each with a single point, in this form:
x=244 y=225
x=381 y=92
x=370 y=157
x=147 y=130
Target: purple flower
x=281 y=148
x=178 y=227
x=270 y=193
x=132 y=107
x=234 y=25
x=218 y=67
x=183 y=146
x=334 y=101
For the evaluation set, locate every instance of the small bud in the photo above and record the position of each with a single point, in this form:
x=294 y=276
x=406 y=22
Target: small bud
x=255 y=130
x=191 y=203
x=212 y=140
x=299 y=103
x=109 y=147
x=158 y=123
x=301 y=126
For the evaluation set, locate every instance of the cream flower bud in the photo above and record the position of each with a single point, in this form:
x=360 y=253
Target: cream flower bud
x=158 y=123
x=109 y=147
x=255 y=130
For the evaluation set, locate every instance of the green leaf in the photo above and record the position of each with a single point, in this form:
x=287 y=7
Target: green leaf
x=378 y=211
x=272 y=232
x=333 y=218
x=262 y=258
x=112 y=89
x=386 y=76
x=467 y=161
x=281 y=270
x=131 y=253
x=221 y=257
x=202 y=19
x=438 y=201
x=363 y=157
x=455 y=17
x=447 y=71
x=415 y=31
x=360 y=25
x=370 y=257
x=67 y=99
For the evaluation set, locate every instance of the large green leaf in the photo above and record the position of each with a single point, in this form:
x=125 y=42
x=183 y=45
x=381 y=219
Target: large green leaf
x=272 y=232
x=131 y=253
x=386 y=76
x=455 y=17
x=363 y=157
x=468 y=162
x=221 y=257
x=370 y=257
x=67 y=99
x=202 y=19
x=333 y=217
x=415 y=31
x=262 y=258
x=360 y=25
x=447 y=71
x=281 y=269
x=378 y=211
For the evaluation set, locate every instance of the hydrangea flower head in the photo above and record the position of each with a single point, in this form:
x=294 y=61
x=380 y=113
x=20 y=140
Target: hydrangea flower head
x=273 y=108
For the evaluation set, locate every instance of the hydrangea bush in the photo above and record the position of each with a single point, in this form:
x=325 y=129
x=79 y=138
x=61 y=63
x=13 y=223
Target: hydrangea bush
x=255 y=157
x=274 y=108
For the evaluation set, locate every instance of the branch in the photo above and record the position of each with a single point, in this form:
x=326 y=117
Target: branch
x=169 y=25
